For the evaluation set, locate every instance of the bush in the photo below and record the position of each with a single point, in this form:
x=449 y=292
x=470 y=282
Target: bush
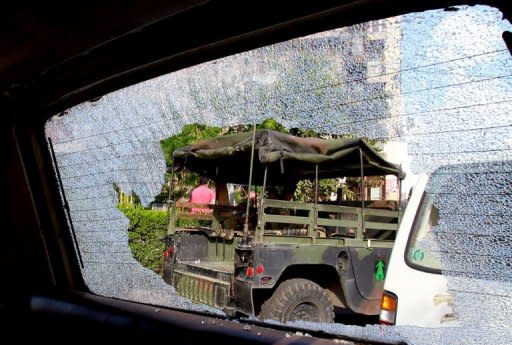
x=145 y=233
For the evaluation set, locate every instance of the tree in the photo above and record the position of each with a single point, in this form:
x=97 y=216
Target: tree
x=185 y=181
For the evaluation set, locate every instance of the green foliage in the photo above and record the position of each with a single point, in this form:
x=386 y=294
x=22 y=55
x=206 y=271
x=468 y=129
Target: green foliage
x=270 y=123
x=190 y=134
x=189 y=223
x=305 y=191
x=124 y=199
x=146 y=229
x=184 y=182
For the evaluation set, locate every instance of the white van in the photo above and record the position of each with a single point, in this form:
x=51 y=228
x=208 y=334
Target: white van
x=415 y=291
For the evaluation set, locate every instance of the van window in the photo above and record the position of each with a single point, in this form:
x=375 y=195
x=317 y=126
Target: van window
x=423 y=251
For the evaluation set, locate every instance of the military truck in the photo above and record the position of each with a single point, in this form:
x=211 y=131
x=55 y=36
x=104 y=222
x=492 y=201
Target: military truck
x=282 y=259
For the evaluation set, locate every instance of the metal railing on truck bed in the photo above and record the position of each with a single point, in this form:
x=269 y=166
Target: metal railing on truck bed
x=377 y=220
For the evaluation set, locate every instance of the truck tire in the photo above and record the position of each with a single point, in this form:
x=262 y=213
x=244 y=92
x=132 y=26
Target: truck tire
x=298 y=299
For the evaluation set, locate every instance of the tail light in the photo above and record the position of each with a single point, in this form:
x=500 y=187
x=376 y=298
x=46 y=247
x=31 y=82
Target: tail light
x=250 y=271
x=169 y=251
x=388 y=308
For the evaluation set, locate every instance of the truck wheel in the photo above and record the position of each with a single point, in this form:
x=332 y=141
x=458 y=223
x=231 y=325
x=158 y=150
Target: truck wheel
x=298 y=299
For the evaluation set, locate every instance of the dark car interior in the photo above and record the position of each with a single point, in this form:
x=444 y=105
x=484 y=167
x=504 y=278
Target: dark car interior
x=55 y=56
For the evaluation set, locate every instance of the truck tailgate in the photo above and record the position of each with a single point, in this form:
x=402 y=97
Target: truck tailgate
x=204 y=282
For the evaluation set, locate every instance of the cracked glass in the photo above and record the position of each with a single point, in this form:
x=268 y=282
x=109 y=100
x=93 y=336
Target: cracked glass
x=434 y=89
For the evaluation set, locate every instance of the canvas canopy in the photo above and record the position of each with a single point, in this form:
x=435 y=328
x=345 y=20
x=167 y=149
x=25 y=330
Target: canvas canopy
x=288 y=158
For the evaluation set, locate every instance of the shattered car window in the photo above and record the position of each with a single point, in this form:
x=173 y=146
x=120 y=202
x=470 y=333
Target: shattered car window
x=431 y=91
x=423 y=249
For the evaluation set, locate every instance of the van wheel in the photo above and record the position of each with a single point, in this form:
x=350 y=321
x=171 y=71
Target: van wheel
x=298 y=299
